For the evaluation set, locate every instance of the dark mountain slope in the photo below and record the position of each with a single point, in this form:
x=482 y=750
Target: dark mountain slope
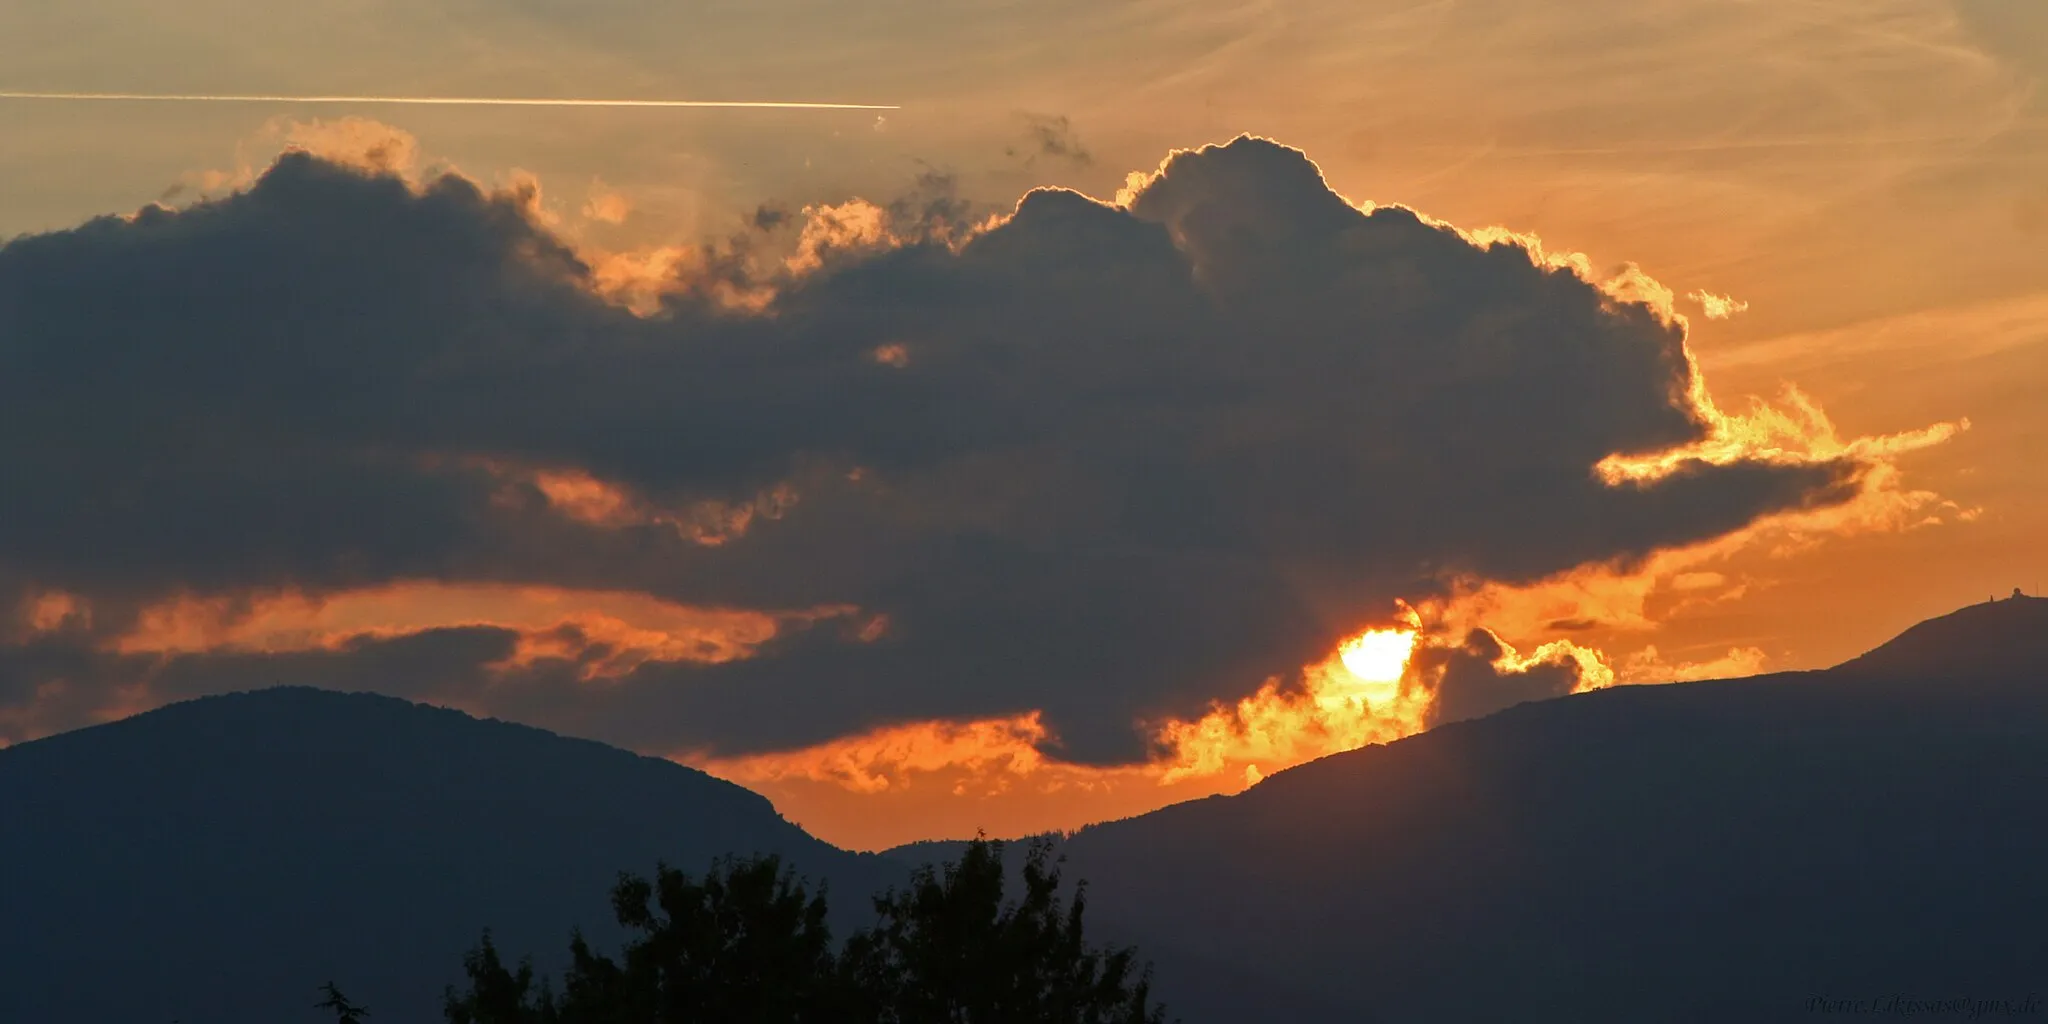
x=215 y=861
x=1709 y=852
x=1999 y=640
x=1724 y=851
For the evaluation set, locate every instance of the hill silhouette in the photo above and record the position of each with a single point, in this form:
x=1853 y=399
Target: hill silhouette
x=1717 y=851
x=1720 y=851
x=214 y=861
x=2006 y=638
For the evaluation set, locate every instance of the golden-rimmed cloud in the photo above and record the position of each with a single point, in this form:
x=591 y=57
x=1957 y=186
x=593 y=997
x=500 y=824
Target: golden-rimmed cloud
x=607 y=633
x=1113 y=482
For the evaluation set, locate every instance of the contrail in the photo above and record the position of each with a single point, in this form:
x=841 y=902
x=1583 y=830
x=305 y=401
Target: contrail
x=438 y=101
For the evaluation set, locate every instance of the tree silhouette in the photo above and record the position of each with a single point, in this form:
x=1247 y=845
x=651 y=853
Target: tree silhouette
x=951 y=950
x=345 y=1012
x=748 y=943
x=497 y=995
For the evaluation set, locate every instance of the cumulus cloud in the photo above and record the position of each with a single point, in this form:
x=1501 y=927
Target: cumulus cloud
x=1094 y=466
x=358 y=142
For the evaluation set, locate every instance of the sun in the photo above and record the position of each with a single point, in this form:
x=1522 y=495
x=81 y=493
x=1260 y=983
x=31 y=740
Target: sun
x=1365 y=676
x=1378 y=655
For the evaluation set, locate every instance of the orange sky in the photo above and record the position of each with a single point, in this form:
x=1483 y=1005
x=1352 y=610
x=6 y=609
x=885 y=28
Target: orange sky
x=1844 y=199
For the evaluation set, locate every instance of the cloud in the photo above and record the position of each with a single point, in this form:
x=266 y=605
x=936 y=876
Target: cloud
x=54 y=611
x=357 y=142
x=1649 y=666
x=1484 y=674
x=1051 y=136
x=607 y=634
x=606 y=205
x=991 y=752
x=1322 y=709
x=848 y=227
x=1111 y=465
x=1717 y=307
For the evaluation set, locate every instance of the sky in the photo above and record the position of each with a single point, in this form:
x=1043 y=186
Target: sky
x=1160 y=395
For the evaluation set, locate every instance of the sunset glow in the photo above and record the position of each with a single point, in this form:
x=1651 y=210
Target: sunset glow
x=1419 y=507
x=607 y=633
x=937 y=771
x=1378 y=656
x=947 y=437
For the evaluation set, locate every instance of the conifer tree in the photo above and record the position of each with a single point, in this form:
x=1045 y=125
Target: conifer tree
x=748 y=944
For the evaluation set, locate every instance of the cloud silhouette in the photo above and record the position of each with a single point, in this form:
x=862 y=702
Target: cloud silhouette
x=1470 y=680
x=1109 y=462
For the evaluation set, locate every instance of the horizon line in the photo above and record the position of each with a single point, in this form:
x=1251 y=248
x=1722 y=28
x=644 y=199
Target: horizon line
x=450 y=101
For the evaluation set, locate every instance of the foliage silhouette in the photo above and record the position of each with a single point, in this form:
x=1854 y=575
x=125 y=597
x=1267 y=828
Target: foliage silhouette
x=949 y=949
x=748 y=943
x=345 y=1012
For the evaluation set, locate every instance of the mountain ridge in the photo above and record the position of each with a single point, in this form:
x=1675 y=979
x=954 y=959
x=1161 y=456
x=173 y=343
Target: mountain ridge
x=222 y=856
x=249 y=846
x=1719 y=850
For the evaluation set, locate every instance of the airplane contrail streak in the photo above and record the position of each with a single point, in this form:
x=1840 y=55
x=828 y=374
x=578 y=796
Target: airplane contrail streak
x=440 y=101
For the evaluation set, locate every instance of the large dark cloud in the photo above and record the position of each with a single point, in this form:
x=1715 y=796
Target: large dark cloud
x=1125 y=460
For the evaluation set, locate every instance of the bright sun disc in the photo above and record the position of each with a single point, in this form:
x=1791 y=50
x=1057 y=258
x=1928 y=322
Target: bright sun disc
x=1378 y=655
